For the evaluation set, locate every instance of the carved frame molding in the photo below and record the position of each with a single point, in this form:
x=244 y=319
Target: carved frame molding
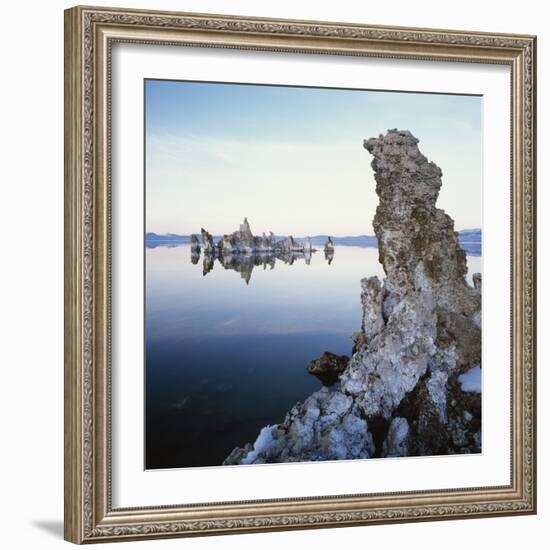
x=89 y=35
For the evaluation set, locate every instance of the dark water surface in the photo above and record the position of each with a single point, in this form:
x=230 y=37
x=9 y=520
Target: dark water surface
x=224 y=359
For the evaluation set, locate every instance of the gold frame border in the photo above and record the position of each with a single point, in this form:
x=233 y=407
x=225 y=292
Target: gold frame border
x=89 y=34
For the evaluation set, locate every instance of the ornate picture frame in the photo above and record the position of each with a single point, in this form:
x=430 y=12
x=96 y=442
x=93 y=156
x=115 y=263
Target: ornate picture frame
x=90 y=34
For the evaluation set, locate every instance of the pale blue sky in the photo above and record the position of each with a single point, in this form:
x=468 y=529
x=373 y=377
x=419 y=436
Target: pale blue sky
x=291 y=159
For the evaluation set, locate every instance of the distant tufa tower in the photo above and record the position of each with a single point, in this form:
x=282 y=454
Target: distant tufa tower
x=245 y=230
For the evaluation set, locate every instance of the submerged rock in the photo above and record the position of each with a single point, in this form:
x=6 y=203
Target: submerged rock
x=420 y=331
x=328 y=367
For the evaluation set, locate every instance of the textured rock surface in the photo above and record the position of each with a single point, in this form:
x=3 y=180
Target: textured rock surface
x=400 y=394
x=328 y=367
x=397 y=440
x=207 y=241
x=195 y=245
x=244 y=241
x=329 y=245
x=289 y=245
x=327 y=426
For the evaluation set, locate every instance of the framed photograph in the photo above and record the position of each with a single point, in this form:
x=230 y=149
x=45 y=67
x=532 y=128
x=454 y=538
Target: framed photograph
x=300 y=274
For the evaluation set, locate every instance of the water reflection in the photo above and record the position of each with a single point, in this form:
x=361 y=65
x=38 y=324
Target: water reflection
x=244 y=263
x=329 y=255
x=224 y=359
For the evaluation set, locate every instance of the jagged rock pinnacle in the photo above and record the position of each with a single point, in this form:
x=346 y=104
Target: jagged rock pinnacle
x=417 y=243
x=421 y=329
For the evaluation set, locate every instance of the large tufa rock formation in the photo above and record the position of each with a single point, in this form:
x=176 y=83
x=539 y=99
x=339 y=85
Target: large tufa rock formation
x=242 y=250
x=401 y=393
x=207 y=241
x=244 y=241
x=245 y=232
x=417 y=243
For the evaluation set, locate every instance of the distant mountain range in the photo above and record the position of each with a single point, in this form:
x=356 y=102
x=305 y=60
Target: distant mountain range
x=469 y=239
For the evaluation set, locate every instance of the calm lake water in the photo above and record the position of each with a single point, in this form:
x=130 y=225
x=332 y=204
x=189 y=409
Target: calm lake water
x=224 y=359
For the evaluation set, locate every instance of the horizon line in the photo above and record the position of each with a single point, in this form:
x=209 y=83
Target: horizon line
x=311 y=235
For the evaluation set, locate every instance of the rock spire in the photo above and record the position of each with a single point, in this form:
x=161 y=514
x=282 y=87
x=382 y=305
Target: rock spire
x=401 y=392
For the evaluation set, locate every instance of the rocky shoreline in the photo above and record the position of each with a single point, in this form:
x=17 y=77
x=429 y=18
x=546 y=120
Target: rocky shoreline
x=413 y=383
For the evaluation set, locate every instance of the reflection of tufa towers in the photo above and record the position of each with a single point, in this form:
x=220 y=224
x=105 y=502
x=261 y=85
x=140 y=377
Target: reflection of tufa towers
x=242 y=250
x=329 y=250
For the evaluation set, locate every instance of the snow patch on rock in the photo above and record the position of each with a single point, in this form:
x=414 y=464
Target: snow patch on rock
x=470 y=381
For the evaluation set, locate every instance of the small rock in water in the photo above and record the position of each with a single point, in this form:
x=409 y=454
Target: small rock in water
x=328 y=367
x=329 y=245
